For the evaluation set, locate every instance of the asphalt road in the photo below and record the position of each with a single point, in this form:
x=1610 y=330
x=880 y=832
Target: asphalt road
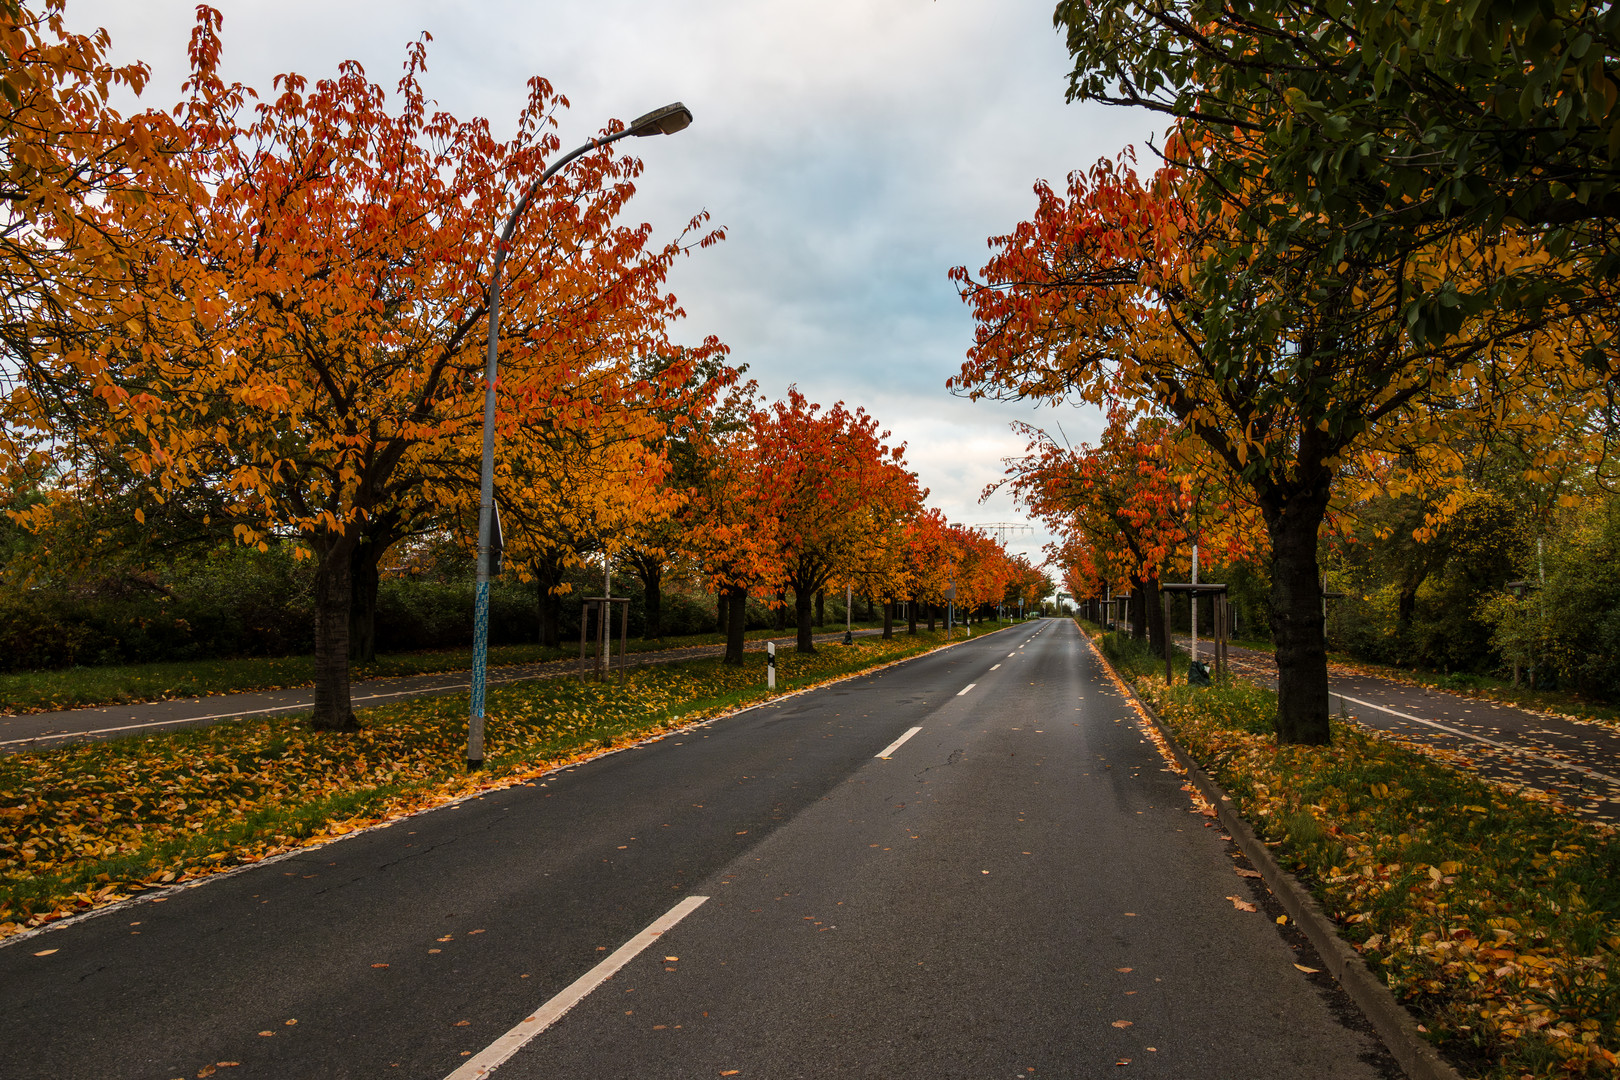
x=33 y=731
x=1016 y=890
x=1576 y=760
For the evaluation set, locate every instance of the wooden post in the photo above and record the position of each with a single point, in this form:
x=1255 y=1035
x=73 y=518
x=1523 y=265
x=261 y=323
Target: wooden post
x=624 y=641
x=584 y=622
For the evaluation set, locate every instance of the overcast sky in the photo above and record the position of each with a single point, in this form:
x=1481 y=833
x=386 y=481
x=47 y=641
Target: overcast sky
x=854 y=150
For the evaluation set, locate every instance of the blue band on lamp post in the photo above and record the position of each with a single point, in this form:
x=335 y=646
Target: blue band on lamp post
x=665 y=121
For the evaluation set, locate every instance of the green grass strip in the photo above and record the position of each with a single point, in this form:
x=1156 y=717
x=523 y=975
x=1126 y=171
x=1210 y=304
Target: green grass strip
x=83 y=687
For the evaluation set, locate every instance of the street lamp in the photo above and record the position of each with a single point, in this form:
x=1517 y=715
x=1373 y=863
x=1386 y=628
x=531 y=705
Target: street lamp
x=665 y=121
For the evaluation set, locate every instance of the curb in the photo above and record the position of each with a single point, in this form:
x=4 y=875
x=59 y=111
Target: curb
x=1416 y=1056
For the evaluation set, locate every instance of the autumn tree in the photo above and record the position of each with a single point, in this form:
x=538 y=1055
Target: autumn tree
x=1125 y=291
x=732 y=538
x=329 y=365
x=81 y=254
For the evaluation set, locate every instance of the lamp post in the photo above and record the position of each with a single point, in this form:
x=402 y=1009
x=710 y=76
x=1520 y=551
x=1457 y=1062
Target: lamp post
x=665 y=121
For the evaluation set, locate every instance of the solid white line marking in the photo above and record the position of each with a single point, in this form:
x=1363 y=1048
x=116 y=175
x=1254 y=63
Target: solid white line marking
x=994 y=666
x=892 y=747
x=1509 y=747
x=219 y=716
x=966 y=688
x=504 y=1047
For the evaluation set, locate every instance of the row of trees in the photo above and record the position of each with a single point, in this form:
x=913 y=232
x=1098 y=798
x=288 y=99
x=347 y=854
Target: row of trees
x=1381 y=239
x=261 y=321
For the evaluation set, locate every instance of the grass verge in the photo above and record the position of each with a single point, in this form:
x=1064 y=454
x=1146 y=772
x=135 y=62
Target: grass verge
x=1493 y=915
x=88 y=825
x=82 y=687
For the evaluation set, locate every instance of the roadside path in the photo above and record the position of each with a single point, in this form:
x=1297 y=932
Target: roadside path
x=32 y=731
x=1576 y=760
x=970 y=864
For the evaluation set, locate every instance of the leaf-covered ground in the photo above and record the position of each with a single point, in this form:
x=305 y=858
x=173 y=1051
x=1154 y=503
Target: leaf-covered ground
x=1493 y=914
x=87 y=825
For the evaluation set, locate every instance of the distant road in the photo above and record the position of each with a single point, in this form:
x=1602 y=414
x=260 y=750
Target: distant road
x=1578 y=760
x=38 y=730
x=969 y=865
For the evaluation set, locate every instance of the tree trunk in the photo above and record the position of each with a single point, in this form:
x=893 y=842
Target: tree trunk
x=334 y=710
x=1139 y=607
x=651 y=571
x=736 y=604
x=821 y=607
x=547 y=576
x=363 y=580
x=1153 y=612
x=911 y=616
x=1296 y=617
x=888 y=620
x=806 y=644
x=931 y=617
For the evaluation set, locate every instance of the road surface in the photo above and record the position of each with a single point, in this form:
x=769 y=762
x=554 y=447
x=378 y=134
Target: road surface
x=972 y=864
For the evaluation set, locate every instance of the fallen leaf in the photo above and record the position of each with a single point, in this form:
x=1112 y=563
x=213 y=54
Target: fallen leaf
x=446 y=937
x=44 y=952
x=1308 y=970
x=671 y=959
x=1282 y=920
x=206 y=1070
x=266 y=1033
x=1124 y=970
x=379 y=965
x=1247 y=873
x=463 y=1023
x=1242 y=905
x=290 y=1023
x=1123 y=1023
x=471 y=932
x=731 y=1072
x=1123 y=1061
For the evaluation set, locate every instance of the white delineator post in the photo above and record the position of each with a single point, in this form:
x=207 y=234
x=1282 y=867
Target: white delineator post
x=770 y=665
x=1194 y=595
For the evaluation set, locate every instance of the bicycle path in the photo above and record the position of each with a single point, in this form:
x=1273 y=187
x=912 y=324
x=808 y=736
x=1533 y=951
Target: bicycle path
x=1576 y=760
x=33 y=731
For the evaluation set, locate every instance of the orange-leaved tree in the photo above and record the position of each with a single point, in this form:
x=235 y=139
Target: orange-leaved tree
x=330 y=367
x=81 y=256
x=1121 y=289
x=833 y=490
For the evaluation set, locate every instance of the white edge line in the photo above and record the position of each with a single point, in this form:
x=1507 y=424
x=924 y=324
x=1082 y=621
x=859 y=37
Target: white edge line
x=892 y=747
x=966 y=688
x=1510 y=748
x=497 y=1052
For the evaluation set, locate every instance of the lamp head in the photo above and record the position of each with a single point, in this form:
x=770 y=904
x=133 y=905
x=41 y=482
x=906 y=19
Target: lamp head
x=665 y=121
